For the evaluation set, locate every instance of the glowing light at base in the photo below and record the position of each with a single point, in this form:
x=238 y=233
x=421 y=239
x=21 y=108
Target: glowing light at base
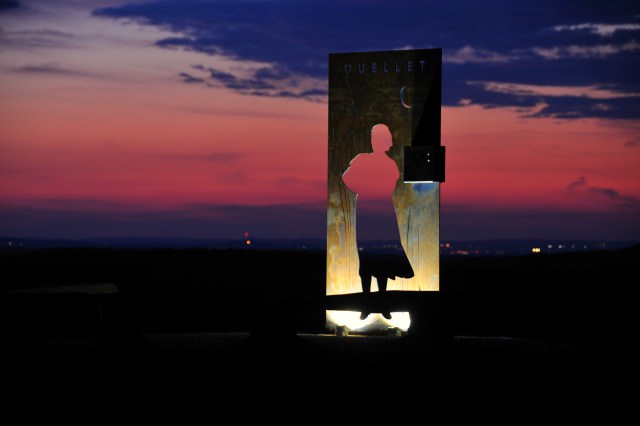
x=375 y=321
x=416 y=203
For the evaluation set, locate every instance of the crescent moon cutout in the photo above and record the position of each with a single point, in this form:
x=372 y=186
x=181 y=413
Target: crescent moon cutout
x=404 y=104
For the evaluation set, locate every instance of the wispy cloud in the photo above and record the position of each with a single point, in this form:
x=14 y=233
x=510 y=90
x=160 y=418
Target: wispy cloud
x=270 y=81
x=213 y=157
x=517 y=89
x=234 y=112
x=37 y=38
x=560 y=102
x=468 y=54
x=188 y=78
x=605 y=30
x=53 y=69
x=586 y=52
x=188 y=43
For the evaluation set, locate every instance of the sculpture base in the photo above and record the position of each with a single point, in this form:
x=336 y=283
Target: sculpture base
x=387 y=311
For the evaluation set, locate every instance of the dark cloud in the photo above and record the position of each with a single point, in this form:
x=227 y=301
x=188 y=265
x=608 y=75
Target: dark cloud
x=45 y=38
x=240 y=84
x=615 y=197
x=188 y=78
x=52 y=69
x=9 y=4
x=541 y=43
x=306 y=94
x=272 y=82
x=608 y=193
x=580 y=183
x=224 y=77
x=274 y=73
x=633 y=142
x=603 y=196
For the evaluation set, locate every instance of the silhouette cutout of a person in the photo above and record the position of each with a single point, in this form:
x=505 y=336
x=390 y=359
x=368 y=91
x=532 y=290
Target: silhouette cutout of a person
x=372 y=176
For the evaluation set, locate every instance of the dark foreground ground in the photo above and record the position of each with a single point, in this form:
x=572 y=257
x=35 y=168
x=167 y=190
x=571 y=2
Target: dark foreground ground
x=173 y=336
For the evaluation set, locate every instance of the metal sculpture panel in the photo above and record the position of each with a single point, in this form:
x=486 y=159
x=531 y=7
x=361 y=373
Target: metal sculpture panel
x=402 y=90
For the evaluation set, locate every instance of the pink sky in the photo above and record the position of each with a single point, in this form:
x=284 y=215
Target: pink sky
x=102 y=116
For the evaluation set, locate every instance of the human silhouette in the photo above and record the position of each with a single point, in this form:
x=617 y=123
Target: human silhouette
x=373 y=177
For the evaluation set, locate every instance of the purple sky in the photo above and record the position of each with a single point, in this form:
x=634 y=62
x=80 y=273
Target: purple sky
x=209 y=118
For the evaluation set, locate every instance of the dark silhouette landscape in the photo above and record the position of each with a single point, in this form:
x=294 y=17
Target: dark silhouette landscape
x=186 y=332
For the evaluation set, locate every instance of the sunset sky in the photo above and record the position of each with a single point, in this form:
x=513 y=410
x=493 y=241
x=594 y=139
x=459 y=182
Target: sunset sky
x=207 y=119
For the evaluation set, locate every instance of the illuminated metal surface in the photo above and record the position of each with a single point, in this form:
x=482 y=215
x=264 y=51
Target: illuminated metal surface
x=401 y=89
